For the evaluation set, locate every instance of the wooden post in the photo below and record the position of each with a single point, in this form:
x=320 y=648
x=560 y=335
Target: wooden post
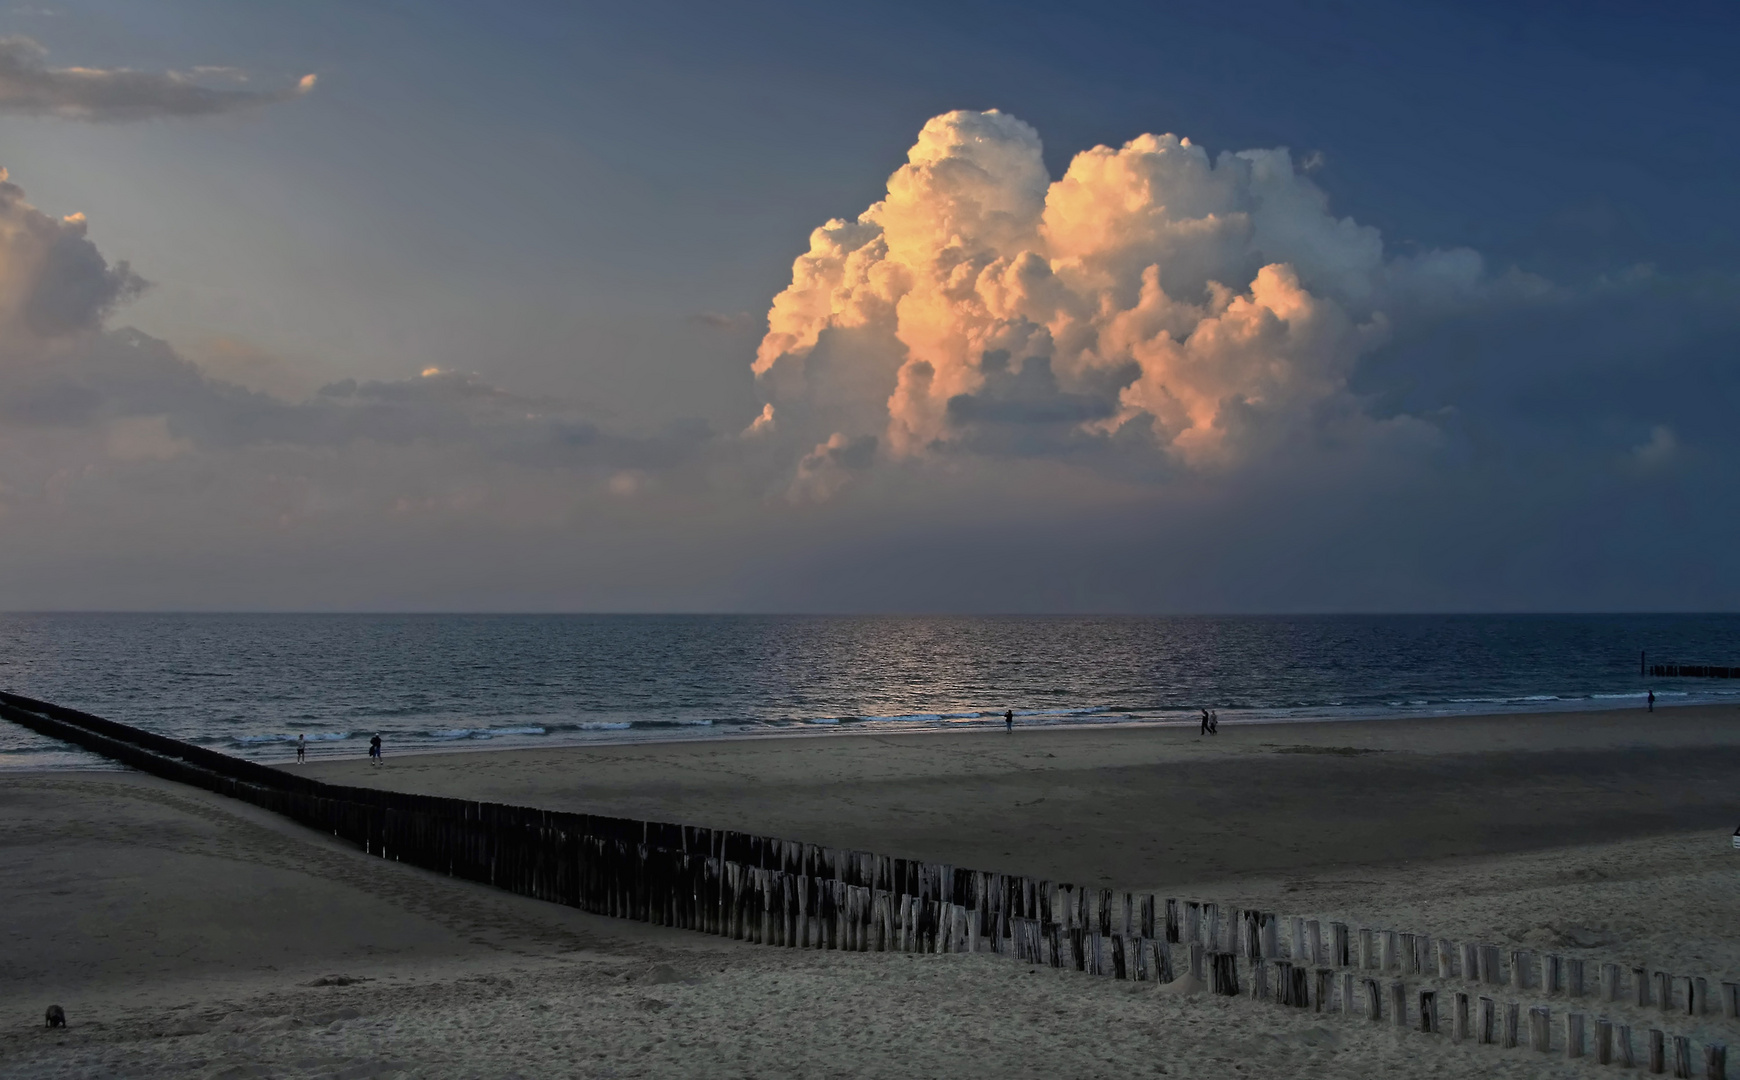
x=973 y=930
x=1640 y=983
x=1367 y=951
x=1374 y=1008
x=1486 y=1031
x=1470 y=962
x=1574 y=976
x=1512 y=1025
x=1540 y=1028
x=1553 y=974
x=1174 y=933
x=1683 y=1056
x=1446 y=958
x=1574 y=1035
x=1314 y=943
x=1347 y=993
x=1622 y=1039
x=1129 y=922
x=1399 y=1003
x=1715 y=1061
x=1521 y=961
x=1657 y=1051
x=1339 y=949
x=1731 y=1000
x=1301 y=951
x=1213 y=920
x=1193 y=922
x=1429 y=1012
x=1603 y=1041
x=1664 y=990
x=1489 y=966
x=1460 y=1028
x=1148 y=928
x=1697 y=996
x=1392 y=951
x=1259 y=981
x=1609 y=982
x=1120 y=969
x=1325 y=989
x=1140 y=974
x=1163 y=962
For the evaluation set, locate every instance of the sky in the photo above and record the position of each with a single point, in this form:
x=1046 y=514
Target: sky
x=764 y=307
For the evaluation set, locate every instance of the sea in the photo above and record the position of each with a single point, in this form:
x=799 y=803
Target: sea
x=250 y=684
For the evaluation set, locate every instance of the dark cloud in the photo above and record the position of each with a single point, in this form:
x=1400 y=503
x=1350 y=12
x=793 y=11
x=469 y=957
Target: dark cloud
x=29 y=87
x=55 y=280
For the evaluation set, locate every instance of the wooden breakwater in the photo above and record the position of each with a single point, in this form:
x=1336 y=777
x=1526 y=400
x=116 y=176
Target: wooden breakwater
x=1695 y=671
x=800 y=895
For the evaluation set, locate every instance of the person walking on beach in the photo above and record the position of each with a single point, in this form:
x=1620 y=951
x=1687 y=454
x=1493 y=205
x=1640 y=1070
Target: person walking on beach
x=1008 y=719
x=1652 y=701
x=301 y=748
x=1204 y=730
x=1214 y=721
x=375 y=748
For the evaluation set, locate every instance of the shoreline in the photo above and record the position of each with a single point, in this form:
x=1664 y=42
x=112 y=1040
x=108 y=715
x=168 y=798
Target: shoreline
x=679 y=734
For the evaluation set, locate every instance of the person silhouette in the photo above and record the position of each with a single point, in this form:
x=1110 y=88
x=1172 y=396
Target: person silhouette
x=375 y=748
x=1008 y=719
x=1652 y=701
x=301 y=748
x=1214 y=721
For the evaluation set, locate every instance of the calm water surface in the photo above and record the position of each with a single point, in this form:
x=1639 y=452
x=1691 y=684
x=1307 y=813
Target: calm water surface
x=249 y=684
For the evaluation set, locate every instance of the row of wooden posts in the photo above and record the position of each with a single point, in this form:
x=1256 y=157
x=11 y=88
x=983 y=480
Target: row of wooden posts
x=799 y=895
x=1695 y=671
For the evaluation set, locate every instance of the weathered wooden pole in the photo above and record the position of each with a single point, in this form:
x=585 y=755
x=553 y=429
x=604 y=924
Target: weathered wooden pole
x=1339 y=947
x=1574 y=977
x=1522 y=963
x=1314 y=943
x=1373 y=1000
x=1622 y=1039
x=1715 y=1061
x=1487 y=1028
x=1603 y=1041
x=1429 y=1011
x=1540 y=1028
x=1574 y=1035
x=1683 y=1056
x=1664 y=991
x=1657 y=1051
x=1512 y=1025
x=1697 y=996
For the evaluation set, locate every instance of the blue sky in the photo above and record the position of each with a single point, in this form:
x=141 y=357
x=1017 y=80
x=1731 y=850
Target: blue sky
x=593 y=208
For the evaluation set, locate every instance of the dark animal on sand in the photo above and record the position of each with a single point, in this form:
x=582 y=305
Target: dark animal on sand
x=56 y=1016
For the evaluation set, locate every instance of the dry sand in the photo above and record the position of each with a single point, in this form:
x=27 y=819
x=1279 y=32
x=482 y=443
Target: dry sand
x=190 y=935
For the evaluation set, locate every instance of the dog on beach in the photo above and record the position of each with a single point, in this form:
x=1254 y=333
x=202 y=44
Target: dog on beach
x=56 y=1016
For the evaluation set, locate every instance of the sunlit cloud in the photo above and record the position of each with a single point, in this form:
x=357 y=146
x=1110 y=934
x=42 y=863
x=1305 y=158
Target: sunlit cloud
x=1206 y=306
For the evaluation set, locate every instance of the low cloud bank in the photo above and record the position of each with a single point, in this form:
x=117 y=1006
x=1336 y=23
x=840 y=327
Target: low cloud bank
x=115 y=95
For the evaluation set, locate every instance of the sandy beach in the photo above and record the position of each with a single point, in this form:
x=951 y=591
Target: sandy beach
x=188 y=934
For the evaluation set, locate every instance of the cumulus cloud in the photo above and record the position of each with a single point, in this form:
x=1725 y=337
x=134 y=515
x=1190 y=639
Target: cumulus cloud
x=827 y=468
x=30 y=87
x=1202 y=306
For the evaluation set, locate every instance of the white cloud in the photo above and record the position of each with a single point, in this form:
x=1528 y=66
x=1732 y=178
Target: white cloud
x=1208 y=306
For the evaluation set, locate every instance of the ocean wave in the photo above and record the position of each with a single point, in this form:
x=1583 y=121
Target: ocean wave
x=317 y=736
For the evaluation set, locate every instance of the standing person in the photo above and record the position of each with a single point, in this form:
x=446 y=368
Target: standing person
x=375 y=748
x=1652 y=701
x=301 y=748
x=1009 y=720
x=1204 y=730
x=1214 y=721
